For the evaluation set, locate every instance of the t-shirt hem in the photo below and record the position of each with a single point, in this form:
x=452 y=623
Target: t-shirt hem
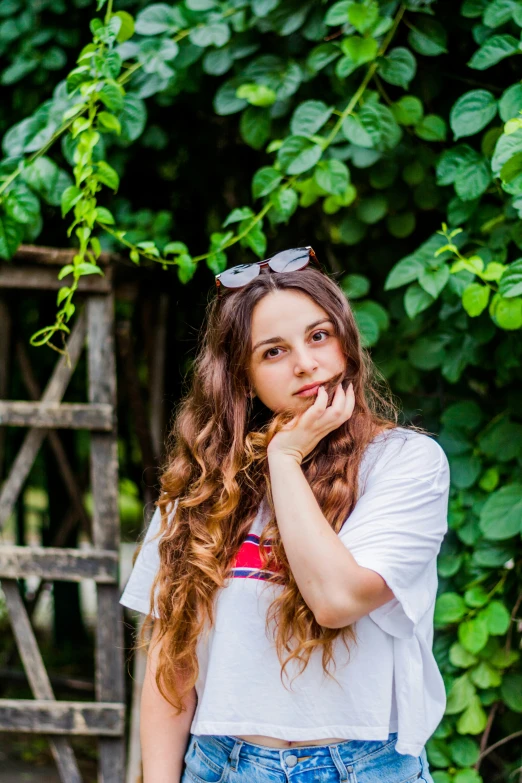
x=138 y=604
x=218 y=728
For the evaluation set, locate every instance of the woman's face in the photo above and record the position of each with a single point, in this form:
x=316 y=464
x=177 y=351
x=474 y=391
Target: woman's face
x=293 y=345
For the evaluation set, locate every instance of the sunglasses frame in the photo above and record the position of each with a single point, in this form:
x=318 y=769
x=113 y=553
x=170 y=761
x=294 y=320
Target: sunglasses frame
x=312 y=257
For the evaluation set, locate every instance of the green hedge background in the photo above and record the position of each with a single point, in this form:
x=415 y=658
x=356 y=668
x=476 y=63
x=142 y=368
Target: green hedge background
x=388 y=135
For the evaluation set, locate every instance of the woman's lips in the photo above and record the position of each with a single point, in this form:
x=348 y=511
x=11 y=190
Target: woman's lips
x=308 y=392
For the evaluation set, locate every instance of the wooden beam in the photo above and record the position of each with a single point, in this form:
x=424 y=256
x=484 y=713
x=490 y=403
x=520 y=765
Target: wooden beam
x=52 y=563
x=45 y=278
x=110 y=685
x=38 y=678
x=54 y=392
x=56 y=256
x=56 y=415
x=62 y=717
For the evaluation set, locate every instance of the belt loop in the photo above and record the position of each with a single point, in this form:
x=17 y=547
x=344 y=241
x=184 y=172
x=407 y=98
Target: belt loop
x=339 y=763
x=234 y=754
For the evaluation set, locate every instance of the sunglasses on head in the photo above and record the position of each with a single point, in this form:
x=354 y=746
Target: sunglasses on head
x=286 y=261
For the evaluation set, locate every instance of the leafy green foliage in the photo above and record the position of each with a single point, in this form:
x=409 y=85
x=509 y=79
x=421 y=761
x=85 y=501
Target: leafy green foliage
x=356 y=134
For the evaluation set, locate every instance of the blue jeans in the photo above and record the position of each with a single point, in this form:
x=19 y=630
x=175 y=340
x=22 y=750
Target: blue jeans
x=227 y=759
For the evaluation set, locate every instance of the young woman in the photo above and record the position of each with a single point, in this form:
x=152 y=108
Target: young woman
x=289 y=570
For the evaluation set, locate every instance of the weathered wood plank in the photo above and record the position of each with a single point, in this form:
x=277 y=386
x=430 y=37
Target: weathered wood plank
x=56 y=256
x=33 y=440
x=65 y=415
x=52 y=563
x=37 y=278
x=104 y=481
x=62 y=717
x=37 y=676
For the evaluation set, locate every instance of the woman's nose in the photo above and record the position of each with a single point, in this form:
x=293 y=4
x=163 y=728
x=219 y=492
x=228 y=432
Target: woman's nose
x=305 y=362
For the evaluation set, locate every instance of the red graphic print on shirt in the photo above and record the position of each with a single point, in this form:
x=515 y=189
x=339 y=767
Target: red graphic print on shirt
x=247 y=564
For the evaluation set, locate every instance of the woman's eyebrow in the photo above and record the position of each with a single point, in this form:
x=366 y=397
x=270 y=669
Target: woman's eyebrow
x=281 y=339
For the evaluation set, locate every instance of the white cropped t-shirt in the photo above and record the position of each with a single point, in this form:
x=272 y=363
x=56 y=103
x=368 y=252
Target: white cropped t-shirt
x=391 y=682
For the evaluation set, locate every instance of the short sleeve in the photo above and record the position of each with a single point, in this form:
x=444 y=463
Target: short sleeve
x=137 y=593
x=397 y=526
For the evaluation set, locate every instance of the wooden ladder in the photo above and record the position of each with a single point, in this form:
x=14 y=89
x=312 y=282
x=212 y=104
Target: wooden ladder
x=104 y=717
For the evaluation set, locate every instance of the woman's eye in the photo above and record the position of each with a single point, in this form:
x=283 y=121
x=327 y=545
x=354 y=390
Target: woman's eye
x=269 y=355
x=317 y=333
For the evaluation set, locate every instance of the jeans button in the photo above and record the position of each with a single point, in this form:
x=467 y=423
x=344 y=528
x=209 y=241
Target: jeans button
x=349 y=769
x=291 y=760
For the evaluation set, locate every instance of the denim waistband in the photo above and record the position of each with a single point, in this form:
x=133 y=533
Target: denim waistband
x=349 y=750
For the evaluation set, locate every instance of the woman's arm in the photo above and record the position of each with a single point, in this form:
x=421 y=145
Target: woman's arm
x=164 y=735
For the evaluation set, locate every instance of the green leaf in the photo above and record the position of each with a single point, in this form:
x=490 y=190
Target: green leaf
x=507 y=147
x=256 y=240
x=70 y=197
x=465 y=414
x=109 y=122
x=332 y=176
x=133 y=118
x=363 y=16
x=434 y=280
x=398 y=67
x=175 y=248
x=360 y=50
x=475 y=299
x=378 y=121
x=321 y=56
x=226 y=101
x=510 y=104
x=472 y=179
x=502 y=440
x=88 y=269
x=449 y=608
x=416 y=299
x=309 y=118
x=107 y=175
x=473 y=634
x=472 y=112
x=460 y=657
x=104 y=216
x=498 y=620
x=47 y=179
x=21 y=204
x=126 y=30
x=254 y=127
x=256 y=94
x=355 y=286
x=372 y=209
x=460 y=695
x=473 y=720
x=405 y=271
x=499 y=12
x=217 y=62
x=511 y=691
x=464 y=752
x=156 y=19
x=501 y=514
x=111 y=95
x=506 y=313
x=298 y=154
x=511 y=281
x=431 y=128
x=186 y=267
x=213 y=34
x=63 y=293
x=238 y=214
x=493 y=50
x=408 y=110
x=428 y=37
x=285 y=202
x=11 y=233
x=338 y=13
x=265 y=180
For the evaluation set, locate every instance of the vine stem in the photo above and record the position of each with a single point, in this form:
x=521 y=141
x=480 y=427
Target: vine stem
x=354 y=100
x=499 y=743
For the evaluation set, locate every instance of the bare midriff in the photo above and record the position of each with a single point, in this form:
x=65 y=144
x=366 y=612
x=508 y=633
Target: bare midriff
x=273 y=742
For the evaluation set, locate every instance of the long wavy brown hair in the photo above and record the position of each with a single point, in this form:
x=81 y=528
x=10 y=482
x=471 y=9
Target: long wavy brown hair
x=217 y=471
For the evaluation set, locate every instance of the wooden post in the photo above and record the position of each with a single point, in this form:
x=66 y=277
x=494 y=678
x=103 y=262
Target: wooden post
x=105 y=527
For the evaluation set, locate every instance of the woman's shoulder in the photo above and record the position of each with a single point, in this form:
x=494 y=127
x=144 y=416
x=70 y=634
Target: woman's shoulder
x=400 y=451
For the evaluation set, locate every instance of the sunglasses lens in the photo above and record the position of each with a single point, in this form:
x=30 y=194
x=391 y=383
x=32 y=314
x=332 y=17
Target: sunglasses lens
x=290 y=260
x=238 y=276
